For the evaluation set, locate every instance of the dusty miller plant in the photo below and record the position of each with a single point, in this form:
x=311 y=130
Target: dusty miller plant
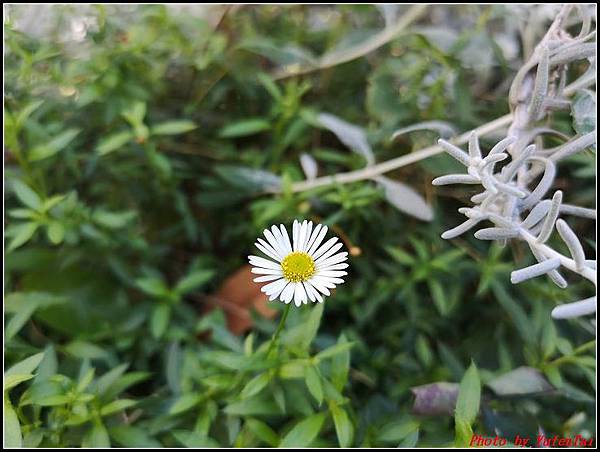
x=515 y=199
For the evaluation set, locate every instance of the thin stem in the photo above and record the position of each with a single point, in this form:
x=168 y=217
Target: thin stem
x=399 y=162
x=333 y=59
x=279 y=328
x=567 y=358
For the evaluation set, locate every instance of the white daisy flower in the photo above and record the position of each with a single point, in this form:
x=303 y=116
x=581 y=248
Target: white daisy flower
x=302 y=269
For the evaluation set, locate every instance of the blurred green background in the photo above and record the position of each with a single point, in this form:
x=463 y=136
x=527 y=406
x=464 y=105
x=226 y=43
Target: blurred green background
x=140 y=142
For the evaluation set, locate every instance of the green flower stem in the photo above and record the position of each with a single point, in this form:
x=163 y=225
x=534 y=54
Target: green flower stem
x=275 y=337
x=567 y=358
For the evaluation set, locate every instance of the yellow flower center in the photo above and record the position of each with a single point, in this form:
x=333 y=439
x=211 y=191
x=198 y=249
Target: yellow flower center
x=298 y=267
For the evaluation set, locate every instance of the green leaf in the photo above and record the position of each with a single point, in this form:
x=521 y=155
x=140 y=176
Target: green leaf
x=423 y=351
x=397 y=431
x=464 y=433
x=439 y=296
x=401 y=256
x=159 y=321
x=132 y=437
x=554 y=376
x=304 y=432
x=248 y=179
x=184 y=403
x=113 y=220
x=86 y=378
x=17 y=321
x=467 y=405
x=113 y=142
x=135 y=114
x=22 y=214
x=26 y=195
x=469 y=394
x=27 y=111
x=410 y=440
x=244 y=128
x=50 y=202
x=516 y=313
x=256 y=385
x=313 y=383
x=193 y=439
x=104 y=382
x=172 y=127
x=11 y=381
x=334 y=350
x=253 y=406
x=21 y=234
x=193 y=281
x=173 y=365
x=49 y=364
x=116 y=406
x=56 y=232
x=293 y=369
x=153 y=286
x=97 y=436
x=26 y=366
x=83 y=349
x=122 y=383
x=53 y=146
x=340 y=366
x=303 y=334
x=343 y=427
x=523 y=380
x=12 y=429
x=262 y=431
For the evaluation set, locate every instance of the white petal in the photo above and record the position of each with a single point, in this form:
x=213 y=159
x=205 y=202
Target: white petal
x=334 y=249
x=313 y=236
x=326 y=246
x=309 y=291
x=330 y=280
x=317 y=240
x=316 y=296
x=341 y=266
x=318 y=286
x=308 y=232
x=332 y=274
x=274 y=243
x=304 y=294
x=335 y=259
x=266 y=278
x=280 y=240
x=274 y=296
x=276 y=286
x=302 y=235
x=288 y=293
x=299 y=294
x=267 y=249
x=286 y=238
x=295 y=232
x=266 y=271
x=324 y=281
x=262 y=262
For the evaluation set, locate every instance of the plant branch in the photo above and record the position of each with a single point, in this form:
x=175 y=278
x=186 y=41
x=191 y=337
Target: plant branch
x=389 y=165
x=333 y=59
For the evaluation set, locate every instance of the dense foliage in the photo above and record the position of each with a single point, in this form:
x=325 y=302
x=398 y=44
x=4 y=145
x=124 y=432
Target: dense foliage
x=147 y=147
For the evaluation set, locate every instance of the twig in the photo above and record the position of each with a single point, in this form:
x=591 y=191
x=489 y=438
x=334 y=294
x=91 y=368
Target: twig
x=329 y=60
x=399 y=162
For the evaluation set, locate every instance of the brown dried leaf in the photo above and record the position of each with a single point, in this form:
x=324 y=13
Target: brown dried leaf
x=435 y=398
x=238 y=296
